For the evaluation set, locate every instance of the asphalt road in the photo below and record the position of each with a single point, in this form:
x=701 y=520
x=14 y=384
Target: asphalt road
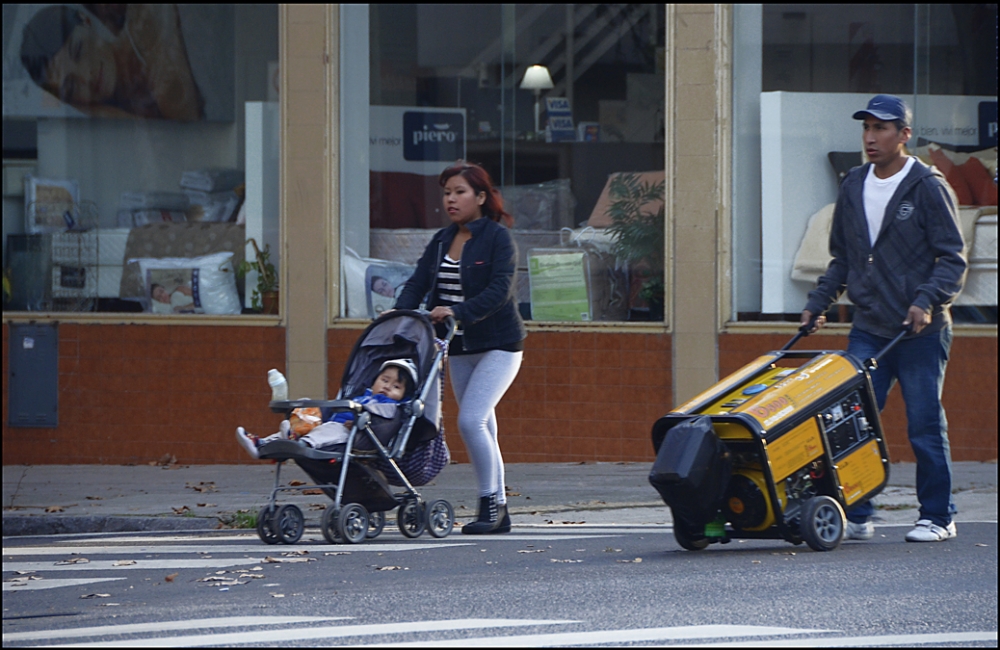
x=538 y=586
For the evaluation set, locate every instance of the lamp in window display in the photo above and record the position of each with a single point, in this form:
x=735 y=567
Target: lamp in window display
x=537 y=78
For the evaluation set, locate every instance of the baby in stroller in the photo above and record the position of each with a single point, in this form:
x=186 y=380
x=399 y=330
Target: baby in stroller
x=395 y=382
x=388 y=435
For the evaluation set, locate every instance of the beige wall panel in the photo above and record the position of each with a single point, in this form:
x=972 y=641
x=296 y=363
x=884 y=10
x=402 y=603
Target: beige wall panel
x=695 y=101
x=694 y=138
x=694 y=67
x=695 y=30
x=684 y=10
x=305 y=15
x=699 y=238
x=309 y=106
x=306 y=142
x=306 y=73
x=695 y=178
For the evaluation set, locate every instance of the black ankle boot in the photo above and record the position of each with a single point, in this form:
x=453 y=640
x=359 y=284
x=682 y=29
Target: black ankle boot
x=493 y=518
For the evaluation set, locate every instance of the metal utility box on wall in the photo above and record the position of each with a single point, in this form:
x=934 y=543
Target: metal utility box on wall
x=33 y=382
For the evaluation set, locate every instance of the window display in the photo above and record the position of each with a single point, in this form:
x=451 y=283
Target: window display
x=552 y=100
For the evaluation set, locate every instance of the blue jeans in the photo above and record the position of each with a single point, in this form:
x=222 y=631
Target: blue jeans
x=919 y=366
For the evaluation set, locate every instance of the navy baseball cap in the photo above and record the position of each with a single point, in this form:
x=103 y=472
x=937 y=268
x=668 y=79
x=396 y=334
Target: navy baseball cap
x=888 y=108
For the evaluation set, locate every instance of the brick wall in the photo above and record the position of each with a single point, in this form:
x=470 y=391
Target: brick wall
x=579 y=396
x=970 y=390
x=129 y=394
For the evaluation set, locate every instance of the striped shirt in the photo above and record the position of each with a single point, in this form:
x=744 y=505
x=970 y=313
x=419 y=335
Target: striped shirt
x=449 y=287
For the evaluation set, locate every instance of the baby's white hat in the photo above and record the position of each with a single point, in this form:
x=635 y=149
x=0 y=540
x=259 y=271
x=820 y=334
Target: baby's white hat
x=404 y=364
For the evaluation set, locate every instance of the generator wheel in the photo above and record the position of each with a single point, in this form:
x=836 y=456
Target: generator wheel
x=823 y=523
x=686 y=539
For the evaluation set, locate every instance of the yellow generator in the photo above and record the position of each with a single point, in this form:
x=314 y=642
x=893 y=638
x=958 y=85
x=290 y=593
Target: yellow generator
x=777 y=450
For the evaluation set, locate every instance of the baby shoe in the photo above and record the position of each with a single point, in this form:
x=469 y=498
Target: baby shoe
x=248 y=441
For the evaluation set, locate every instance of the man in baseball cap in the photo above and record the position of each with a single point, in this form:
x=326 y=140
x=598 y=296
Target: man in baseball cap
x=897 y=249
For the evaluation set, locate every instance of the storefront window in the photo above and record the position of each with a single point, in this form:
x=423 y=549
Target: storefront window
x=139 y=156
x=576 y=147
x=800 y=71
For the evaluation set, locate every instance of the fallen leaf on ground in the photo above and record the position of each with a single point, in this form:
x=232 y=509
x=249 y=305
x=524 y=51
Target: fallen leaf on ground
x=338 y=553
x=299 y=552
x=317 y=506
x=170 y=578
x=205 y=505
x=635 y=561
x=391 y=568
x=611 y=549
x=296 y=482
x=123 y=563
x=278 y=560
x=96 y=596
x=76 y=560
x=52 y=509
x=274 y=595
x=181 y=510
x=251 y=575
x=312 y=491
x=96 y=498
x=565 y=561
x=541 y=550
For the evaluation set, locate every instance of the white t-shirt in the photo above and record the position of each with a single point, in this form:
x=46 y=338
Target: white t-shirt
x=876 y=194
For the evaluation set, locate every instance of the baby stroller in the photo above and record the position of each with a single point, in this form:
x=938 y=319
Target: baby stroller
x=405 y=451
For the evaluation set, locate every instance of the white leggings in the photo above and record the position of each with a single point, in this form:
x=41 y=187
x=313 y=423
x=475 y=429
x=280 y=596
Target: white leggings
x=479 y=381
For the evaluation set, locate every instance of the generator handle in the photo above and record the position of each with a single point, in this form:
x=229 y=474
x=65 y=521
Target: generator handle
x=803 y=331
x=872 y=364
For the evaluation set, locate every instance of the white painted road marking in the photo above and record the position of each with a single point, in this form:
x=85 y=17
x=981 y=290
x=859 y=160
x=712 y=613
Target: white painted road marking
x=256 y=549
x=164 y=626
x=286 y=636
x=52 y=583
x=596 y=637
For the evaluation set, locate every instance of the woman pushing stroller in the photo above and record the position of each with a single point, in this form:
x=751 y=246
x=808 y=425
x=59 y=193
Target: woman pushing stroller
x=467 y=273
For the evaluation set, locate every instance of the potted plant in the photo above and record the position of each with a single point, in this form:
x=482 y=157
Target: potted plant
x=638 y=235
x=265 y=295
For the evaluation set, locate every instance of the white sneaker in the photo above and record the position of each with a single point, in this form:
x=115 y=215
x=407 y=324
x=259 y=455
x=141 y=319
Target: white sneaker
x=863 y=531
x=284 y=430
x=926 y=531
x=248 y=441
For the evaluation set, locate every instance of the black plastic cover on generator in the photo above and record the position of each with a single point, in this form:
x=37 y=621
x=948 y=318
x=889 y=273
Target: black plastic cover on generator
x=692 y=470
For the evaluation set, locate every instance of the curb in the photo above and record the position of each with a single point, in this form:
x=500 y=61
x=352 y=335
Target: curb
x=19 y=525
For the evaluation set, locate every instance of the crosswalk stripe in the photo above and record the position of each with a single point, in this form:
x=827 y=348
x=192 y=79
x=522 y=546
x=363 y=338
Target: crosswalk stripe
x=164 y=626
x=108 y=565
x=324 y=632
x=611 y=636
x=902 y=640
x=52 y=583
x=222 y=548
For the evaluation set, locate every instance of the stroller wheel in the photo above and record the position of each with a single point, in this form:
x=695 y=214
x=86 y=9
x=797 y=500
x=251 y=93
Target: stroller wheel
x=376 y=522
x=289 y=523
x=440 y=518
x=410 y=518
x=352 y=523
x=328 y=526
x=823 y=523
x=265 y=526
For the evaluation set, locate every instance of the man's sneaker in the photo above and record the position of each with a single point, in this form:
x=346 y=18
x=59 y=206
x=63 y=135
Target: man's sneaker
x=862 y=531
x=927 y=531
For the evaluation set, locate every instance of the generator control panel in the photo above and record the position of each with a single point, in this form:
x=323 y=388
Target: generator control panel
x=846 y=424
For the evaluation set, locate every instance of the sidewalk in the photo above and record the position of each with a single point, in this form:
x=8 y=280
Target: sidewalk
x=58 y=499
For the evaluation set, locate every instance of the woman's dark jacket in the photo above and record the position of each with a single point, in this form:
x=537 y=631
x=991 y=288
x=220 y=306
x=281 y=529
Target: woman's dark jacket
x=488 y=313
